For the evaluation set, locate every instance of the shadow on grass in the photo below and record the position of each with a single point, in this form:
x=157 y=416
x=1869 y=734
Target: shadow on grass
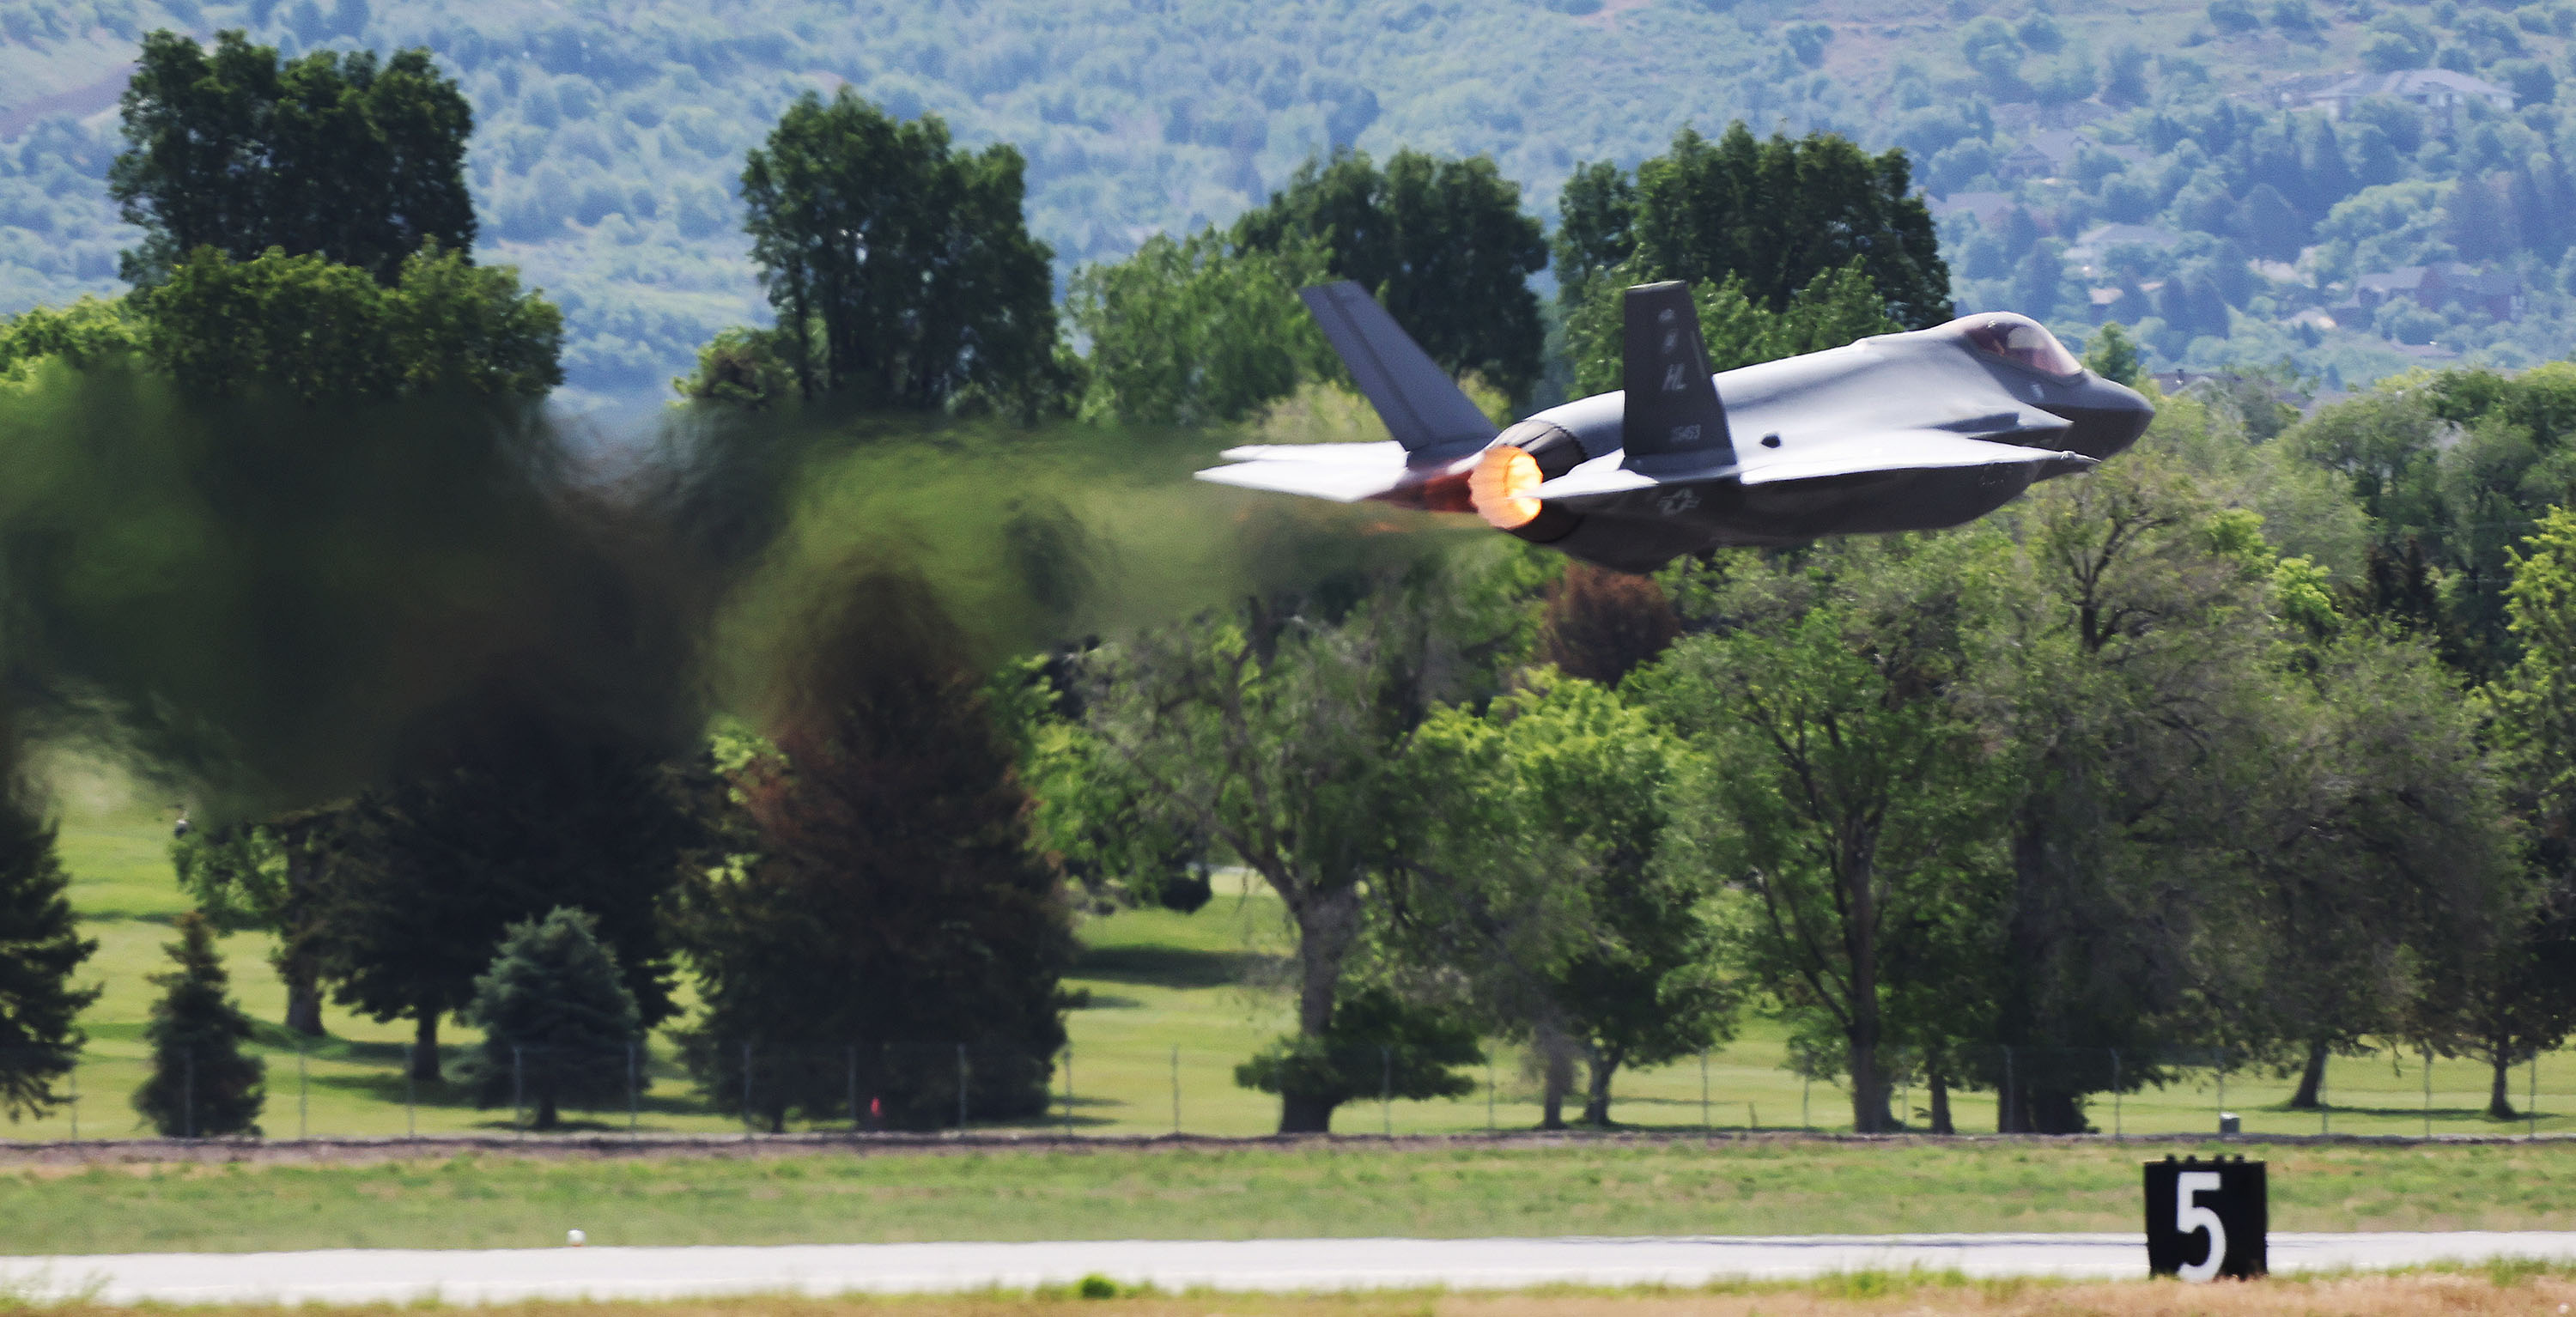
x=1170 y=967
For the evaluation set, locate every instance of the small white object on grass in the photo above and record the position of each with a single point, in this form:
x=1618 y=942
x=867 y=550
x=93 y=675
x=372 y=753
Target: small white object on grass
x=575 y=1239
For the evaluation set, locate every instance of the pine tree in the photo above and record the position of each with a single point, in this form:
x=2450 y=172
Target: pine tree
x=202 y=1082
x=557 y=1019
x=39 y=951
x=895 y=904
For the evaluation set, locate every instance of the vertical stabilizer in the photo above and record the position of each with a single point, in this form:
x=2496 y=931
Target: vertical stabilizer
x=1422 y=407
x=1672 y=413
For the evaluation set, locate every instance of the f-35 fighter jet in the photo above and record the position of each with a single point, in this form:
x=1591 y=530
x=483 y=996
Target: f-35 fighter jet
x=1898 y=432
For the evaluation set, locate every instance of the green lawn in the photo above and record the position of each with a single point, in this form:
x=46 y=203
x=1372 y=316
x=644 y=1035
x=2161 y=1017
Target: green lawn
x=1175 y=1001
x=1765 y=1186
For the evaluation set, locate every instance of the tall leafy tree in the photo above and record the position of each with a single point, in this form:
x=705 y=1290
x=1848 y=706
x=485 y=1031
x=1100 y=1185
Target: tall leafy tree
x=882 y=900
x=349 y=157
x=1442 y=242
x=559 y=1025
x=1185 y=333
x=318 y=329
x=202 y=1083
x=901 y=268
x=1271 y=735
x=525 y=807
x=1773 y=214
x=1532 y=876
x=40 y=950
x=1837 y=307
x=1835 y=774
x=267 y=876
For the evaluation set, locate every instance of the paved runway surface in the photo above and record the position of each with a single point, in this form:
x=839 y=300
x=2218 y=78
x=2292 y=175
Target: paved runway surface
x=499 y=1275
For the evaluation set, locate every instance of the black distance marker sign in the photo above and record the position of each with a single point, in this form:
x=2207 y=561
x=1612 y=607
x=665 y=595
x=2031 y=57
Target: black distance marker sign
x=2206 y=1218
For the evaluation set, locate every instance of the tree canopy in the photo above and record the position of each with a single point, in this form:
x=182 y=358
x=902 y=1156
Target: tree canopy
x=1443 y=242
x=901 y=268
x=1773 y=214
x=343 y=156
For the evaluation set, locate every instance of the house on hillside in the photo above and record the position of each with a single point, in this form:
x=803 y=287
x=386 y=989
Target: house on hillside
x=2497 y=292
x=2093 y=243
x=2051 y=153
x=1989 y=208
x=2433 y=89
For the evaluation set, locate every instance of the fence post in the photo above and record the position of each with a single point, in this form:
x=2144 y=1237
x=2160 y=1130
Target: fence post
x=633 y=1089
x=961 y=1088
x=2531 y=1098
x=1068 y=1090
x=411 y=1090
x=2222 y=1083
x=2325 y=1113
x=1491 y=1129
x=1806 y=1090
x=1176 y=1092
x=519 y=1088
x=1704 y=1125
x=2428 y=1092
x=188 y=1092
x=303 y=1103
x=747 y=1126
x=1386 y=1088
x=76 y=1102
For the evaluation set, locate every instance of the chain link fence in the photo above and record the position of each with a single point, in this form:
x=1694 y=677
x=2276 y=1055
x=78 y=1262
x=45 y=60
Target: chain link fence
x=655 y=1086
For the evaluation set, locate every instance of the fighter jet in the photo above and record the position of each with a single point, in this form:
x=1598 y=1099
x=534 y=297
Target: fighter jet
x=1897 y=432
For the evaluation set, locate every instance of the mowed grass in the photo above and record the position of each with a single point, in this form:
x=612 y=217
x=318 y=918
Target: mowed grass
x=1682 y=1187
x=1869 y=1294
x=1174 y=1003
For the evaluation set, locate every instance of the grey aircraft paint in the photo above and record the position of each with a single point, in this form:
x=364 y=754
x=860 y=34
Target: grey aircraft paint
x=1899 y=432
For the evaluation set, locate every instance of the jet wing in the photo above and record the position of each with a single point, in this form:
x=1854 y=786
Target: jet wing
x=1345 y=454
x=1894 y=450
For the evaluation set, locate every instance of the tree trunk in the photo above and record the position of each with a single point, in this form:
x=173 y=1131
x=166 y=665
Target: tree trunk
x=1860 y=943
x=1304 y=1114
x=1555 y=1075
x=547 y=1116
x=1328 y=921
x=2499 y=1107
x=1941 y=1123
x=1603 y=1063
x=296 y=962
x=303 y=998
x=424 y=1047
x=2312 y=1078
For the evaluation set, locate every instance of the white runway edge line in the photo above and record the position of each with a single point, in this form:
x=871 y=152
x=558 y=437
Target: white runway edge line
x=1276 y=1265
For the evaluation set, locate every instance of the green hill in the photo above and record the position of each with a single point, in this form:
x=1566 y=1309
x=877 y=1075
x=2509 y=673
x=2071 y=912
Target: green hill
x=608 y=136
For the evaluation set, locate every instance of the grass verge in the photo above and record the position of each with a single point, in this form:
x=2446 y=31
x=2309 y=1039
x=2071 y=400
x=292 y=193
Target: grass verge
x=1328 y=1190
x=1868 y=1294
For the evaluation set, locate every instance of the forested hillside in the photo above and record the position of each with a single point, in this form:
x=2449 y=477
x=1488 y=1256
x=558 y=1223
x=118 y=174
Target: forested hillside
x=609 y=139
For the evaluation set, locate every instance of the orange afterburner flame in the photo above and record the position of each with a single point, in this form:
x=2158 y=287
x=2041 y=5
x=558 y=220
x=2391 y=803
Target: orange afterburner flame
x=1501 y=486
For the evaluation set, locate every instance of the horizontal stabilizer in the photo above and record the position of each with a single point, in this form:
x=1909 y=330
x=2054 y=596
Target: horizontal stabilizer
x=1896 y=450
x=1422 y=407
x=1346 y=454
x=1342 y=482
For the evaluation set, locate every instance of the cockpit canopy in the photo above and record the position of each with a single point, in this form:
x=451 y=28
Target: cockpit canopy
x=2020 y=340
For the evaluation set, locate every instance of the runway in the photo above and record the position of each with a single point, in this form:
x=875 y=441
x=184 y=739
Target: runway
x=1278 y=1265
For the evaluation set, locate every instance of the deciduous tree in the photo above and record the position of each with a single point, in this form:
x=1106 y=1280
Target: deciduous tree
x=901 y=268
x=1442 y=242
x=356 y=160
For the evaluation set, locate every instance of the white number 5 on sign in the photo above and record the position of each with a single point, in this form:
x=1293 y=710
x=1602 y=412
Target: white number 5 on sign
x=2190 y=1216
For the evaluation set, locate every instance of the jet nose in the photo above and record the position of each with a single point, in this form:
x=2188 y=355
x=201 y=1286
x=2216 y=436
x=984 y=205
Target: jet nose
x=2106 y=417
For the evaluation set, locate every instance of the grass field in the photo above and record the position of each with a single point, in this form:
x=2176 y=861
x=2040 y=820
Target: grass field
x=1175 y=1001
x=2506 y=1290
x=1769 y=1186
